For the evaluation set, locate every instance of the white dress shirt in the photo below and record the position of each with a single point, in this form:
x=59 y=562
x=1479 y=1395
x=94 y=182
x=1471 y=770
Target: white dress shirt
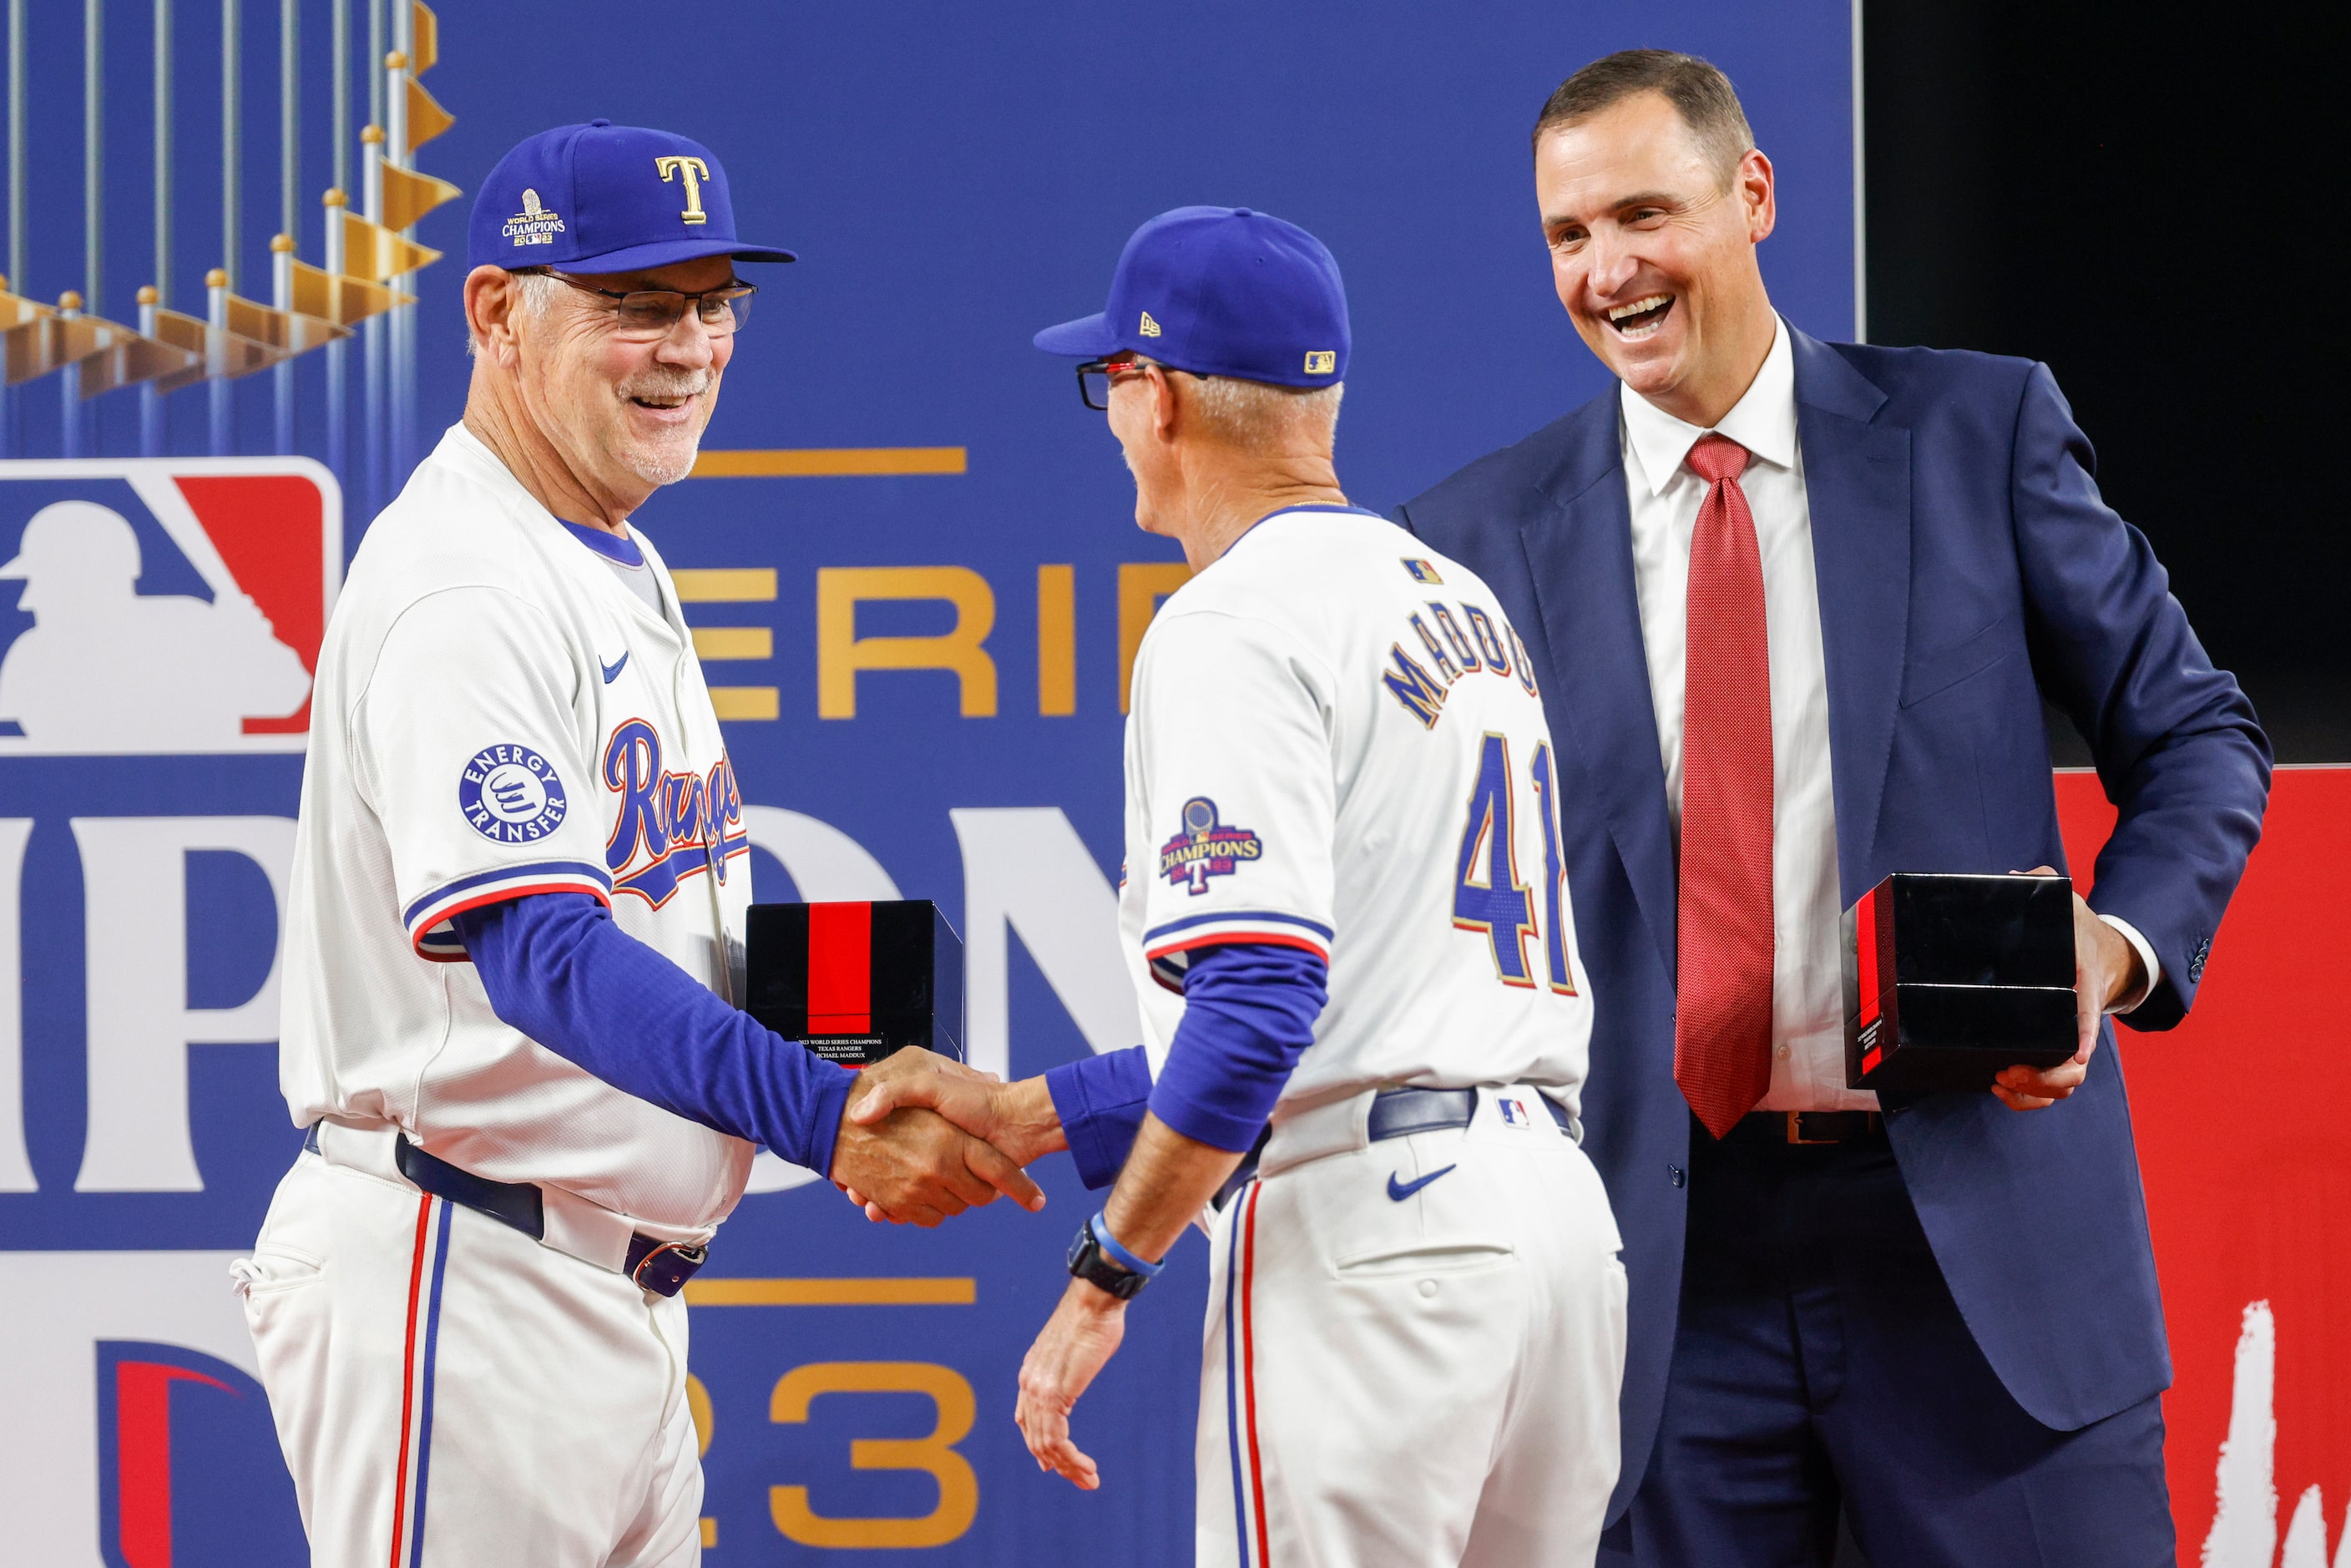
x=1807 y=977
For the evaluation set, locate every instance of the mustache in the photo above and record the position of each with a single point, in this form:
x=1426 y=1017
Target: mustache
x=668 y=383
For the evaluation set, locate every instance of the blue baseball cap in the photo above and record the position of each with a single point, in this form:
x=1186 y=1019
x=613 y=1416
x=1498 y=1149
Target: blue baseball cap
x=1220 y=291
x=602 y=198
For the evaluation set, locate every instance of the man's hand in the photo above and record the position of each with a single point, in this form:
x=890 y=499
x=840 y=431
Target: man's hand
x=1018 y=1118
x=913 y=1166
x=2107 y=969
x=981 y=1103
x=1076 y=1343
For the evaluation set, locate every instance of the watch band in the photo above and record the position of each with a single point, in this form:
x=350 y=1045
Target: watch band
x=1090 y=1262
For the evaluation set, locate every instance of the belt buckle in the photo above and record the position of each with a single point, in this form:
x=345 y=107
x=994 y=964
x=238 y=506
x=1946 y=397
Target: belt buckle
x=676 y=1260
x=1796 y=1132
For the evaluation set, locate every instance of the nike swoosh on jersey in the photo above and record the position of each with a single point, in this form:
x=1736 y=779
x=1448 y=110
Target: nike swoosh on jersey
x=1400 y=1191
x=613 y=670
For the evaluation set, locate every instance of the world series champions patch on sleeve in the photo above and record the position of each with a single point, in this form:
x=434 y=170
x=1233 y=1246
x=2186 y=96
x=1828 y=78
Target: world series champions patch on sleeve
x=1207 y=847
x=511 y=795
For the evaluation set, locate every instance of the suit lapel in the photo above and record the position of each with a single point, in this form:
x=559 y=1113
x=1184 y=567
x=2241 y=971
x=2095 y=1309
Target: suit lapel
x=1580 y=560
x=1857 y=483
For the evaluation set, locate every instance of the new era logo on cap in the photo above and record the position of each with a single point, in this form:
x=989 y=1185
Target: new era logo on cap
x=602 y=198
x=1230 y=292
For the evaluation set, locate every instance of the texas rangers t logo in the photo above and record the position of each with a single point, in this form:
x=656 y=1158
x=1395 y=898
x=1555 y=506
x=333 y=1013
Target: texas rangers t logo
x=1206 y=847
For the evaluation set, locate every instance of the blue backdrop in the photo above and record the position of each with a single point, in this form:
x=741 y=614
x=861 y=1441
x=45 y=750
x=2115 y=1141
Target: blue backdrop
x=954 y=178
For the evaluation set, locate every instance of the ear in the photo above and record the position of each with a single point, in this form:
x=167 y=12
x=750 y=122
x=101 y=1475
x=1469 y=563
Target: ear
x=493 y=301
x=1758 y=195
x=1165 y=405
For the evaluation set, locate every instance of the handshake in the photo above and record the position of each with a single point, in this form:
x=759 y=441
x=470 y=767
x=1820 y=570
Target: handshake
x=923 y=1137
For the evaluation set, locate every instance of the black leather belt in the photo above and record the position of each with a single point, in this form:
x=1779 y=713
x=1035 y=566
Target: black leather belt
x=661 y=1267
x=1395 y=1114
x=1782 y=1128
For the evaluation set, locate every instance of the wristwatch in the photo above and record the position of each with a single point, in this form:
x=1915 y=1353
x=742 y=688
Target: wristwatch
x=1092 y=1261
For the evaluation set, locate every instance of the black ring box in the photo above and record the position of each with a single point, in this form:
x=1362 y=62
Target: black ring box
x=1951 y=978
x=856 y=982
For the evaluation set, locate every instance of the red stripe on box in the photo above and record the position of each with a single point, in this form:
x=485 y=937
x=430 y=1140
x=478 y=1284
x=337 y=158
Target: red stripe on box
x=1865 y=938
x=840 y=968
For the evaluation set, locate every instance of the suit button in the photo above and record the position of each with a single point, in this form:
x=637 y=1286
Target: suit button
x=1674 y=1174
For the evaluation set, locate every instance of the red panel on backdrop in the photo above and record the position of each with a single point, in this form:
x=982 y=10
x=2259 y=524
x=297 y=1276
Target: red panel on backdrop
x=265 y=526
x=2243 y=1119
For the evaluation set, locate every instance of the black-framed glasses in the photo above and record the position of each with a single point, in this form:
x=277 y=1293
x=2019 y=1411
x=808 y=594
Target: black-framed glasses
x=649 y=315
x=1095 y=377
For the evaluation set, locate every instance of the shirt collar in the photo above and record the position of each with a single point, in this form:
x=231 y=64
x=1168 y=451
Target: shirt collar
x=1764 y=419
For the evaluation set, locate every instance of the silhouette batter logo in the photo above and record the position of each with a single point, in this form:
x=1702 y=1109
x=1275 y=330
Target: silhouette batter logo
x=165 y=606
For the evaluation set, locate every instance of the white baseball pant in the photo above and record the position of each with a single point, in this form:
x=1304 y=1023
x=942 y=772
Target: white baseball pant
x=1417 y=1381
x=449 y=1393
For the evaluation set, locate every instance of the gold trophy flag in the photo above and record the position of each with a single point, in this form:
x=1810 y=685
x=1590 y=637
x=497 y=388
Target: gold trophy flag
x=225 y=355
x=374 y=252
x=427 y=36
x=125 y=359
x=426 y=118
x=38 y=340
x=291 y=330
x=409 y=195
x=344 y=301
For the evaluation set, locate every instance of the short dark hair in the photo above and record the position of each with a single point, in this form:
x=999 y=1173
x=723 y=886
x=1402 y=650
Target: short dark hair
x=1699 y=91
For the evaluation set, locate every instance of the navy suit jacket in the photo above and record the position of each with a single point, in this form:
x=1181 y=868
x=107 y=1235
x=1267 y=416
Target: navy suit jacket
x=1967 y=568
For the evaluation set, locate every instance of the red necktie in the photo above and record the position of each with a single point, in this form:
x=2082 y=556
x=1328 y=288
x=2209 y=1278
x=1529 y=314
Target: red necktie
x=1722 y=1020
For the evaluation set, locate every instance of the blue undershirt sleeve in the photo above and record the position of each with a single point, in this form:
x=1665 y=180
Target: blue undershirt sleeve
x=1248 y=1014
x=1100 y=1100
x=557 y=969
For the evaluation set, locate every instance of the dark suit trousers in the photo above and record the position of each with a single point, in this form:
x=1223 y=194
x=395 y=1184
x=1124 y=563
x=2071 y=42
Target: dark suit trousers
x=1821 y=1363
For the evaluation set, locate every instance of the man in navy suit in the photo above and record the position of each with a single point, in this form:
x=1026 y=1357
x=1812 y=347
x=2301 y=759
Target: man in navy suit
x=1796 y=606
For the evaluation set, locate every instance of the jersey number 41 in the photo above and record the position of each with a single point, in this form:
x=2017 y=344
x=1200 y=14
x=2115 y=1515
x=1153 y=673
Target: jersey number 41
x=1501 y=905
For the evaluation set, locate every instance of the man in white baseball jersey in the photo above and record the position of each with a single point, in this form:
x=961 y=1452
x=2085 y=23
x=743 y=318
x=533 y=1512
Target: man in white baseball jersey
x=1339 y=782
x=521 y=854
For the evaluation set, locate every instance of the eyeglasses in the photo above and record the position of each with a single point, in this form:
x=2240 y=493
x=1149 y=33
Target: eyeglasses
x=1096 y=377
x=649 y=315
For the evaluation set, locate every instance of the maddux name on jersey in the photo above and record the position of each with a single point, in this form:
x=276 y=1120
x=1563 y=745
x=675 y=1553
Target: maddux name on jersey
x=1454 y=655
x=671 y=825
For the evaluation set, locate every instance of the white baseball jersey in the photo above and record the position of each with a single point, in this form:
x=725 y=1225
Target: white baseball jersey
x=496 y=714
x=1337 y=743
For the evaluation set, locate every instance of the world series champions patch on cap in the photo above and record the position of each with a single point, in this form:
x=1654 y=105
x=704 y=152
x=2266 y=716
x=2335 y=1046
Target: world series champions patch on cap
x=602 y=198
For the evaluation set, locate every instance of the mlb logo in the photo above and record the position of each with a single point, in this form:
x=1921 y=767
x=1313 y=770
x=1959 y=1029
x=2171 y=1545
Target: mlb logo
x=1514 y=1112
x=1422 y=572
x=164 y=605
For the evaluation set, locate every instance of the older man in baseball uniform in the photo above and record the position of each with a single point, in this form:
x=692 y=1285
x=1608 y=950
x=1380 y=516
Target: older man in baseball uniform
x=1350 y=934
x=522 y=853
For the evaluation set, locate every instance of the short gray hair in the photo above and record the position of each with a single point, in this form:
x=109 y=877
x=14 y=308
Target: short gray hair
x=1256 y=414
x=534 y=295
x=1699 y=93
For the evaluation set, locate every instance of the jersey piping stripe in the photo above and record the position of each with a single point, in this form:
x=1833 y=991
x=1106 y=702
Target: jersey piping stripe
x=1273 y=916
x=1232 y=1391
x=1248 y=1364
x=594 y=873
x=1239 y=934
x=449 y=950
x=425 y=1419
x=408 y=1375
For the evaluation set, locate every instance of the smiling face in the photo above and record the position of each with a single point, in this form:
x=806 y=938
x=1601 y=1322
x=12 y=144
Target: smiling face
x=625 y=416
x=1653 y=253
